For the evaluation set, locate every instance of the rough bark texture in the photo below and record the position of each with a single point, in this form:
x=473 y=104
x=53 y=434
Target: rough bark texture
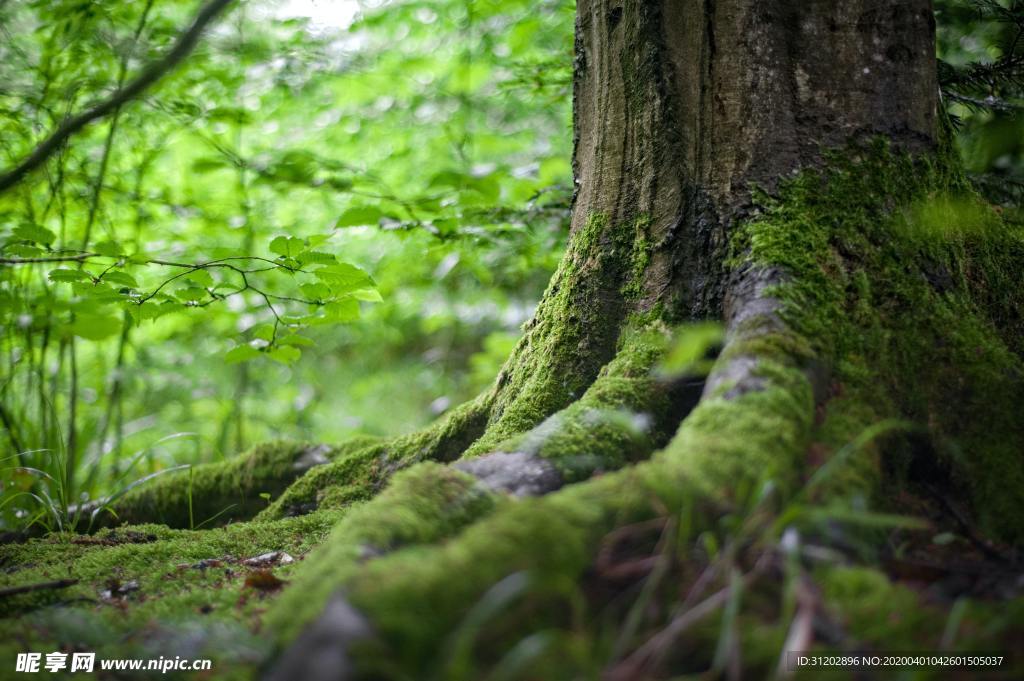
x=683 y=106
x=538 y=530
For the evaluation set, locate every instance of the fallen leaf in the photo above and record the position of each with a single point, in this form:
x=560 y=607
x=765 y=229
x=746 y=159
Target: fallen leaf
x=263 y=580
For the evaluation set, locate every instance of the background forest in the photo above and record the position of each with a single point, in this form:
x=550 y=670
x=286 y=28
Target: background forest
x=331 y=219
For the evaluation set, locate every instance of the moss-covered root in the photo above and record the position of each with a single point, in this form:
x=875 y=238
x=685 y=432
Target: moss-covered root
x=360 y=472
x=416 y=600
x=627 y=413
x=424 y=504
x=573 y=334
x=233 y=489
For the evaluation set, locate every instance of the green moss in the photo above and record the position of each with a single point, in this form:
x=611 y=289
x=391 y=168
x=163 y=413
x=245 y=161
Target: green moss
x=906 y=281
x=623 y=416
x=895 y=278
x=413 y=602
x=859 y=297
x=421 y=505
x=571 y=336
x=844 y=419
x=639 y=259
x=732 y=447
x=878 y=611
x=171 y=605
x=217 y=492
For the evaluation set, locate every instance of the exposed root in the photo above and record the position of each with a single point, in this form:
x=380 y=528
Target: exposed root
x=215 y=493
x=362 y=472
x=424 y=504
x=410 y=597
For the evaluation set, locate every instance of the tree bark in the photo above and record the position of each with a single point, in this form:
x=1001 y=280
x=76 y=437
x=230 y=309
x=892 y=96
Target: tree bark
x=682 y=107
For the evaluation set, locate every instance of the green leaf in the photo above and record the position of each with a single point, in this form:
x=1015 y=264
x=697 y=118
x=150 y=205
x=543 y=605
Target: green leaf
x=24 y=251
x=191 y=294
x=340 y=183
x=296 y=340
x=122 y=278
x=200 y=278
x=285 y=355
x=108 y=248
x=208 y=164
x=94 y=295
x=316 y=258
x=64 y=275
x=318 y=239
x=155 y=310
x=360 y=215
x=263 y=332
x=450 y=178
x=315 y=291
x=691 y=347
x=34 y=233
x=369 y=295
x=343 y=278
x=488 y=187
x=345 y=310
x=287 y=246
x=241 y=353
x=295 y=165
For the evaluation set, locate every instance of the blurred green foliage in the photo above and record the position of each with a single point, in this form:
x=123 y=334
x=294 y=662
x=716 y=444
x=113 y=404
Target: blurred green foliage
x=400 y=170
x=981 y=48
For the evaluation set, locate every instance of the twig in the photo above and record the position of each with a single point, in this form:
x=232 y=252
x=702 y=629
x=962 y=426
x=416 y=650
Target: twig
x=54 y=258
x=41 y=586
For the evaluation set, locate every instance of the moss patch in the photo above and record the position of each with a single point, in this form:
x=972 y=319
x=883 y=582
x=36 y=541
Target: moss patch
x=905 y=278
x=621 y=418
x=571 y=336
x=147 y=591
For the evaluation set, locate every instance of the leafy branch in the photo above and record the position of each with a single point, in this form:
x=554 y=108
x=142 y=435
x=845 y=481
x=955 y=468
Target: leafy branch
x=988 y=86
x=337 y=287
x=149 y=76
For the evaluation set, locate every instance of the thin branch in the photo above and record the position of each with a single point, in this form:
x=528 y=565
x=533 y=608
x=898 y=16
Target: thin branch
x=53 y=258
x=150 y=75
x=42 y=586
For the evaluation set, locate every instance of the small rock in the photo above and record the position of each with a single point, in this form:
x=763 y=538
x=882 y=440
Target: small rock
x=269 y=559
x=208 y=563
x=312 y=457
x=116 y=589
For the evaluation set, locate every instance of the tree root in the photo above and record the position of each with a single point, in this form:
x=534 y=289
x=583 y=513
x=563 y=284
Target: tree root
x=752 y=425
x=231 y=490
x=363 y=471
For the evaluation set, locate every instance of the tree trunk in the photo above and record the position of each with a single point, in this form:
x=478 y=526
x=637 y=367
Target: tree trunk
x=782 y=167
